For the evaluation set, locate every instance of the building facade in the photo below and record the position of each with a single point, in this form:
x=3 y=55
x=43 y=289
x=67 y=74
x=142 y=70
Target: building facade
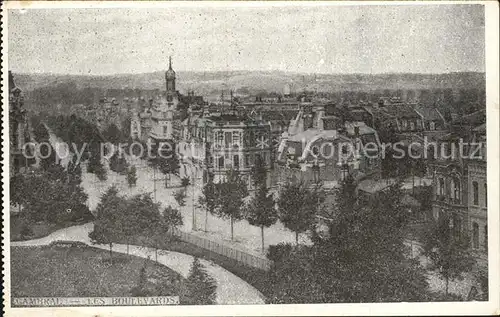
x=459 y=179
x=478 y=194
x=215 y=144
x=320 y=147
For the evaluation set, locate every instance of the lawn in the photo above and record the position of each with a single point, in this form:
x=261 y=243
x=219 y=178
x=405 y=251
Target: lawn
x=82 y=271
x=253 y=276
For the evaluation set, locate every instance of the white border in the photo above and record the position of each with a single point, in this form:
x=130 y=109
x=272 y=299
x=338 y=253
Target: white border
x=434 y=308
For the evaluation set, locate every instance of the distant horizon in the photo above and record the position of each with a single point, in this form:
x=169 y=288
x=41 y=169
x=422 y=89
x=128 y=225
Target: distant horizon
x=242 y=70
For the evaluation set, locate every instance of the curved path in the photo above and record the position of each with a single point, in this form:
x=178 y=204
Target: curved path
x=230 y=288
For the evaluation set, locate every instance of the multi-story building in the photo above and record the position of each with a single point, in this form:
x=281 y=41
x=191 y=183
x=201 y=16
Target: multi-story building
x=217 y=143
x=155 y=121
x=478 y=193
x=320 y=147
x=458 y=180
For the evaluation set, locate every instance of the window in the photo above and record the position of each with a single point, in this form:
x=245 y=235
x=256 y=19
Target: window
x=236 y=138
x=475 y=235
x=412 y=125
x=228 y=136
x=220 y=137
x=236 y=161
x=475 y=190
x=247 y=160
x=441 y=187
x=258 y=158
x=221 y=162
x=456 y=190
x=165 y=129
x=432 y=125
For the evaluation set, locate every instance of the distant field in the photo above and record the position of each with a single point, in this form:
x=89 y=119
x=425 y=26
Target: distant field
x=52 y=271
x=207 y=82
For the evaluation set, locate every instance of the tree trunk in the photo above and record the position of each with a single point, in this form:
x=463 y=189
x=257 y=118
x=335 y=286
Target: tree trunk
x=111 y=252
x=206 y=220
x=232 y=234
x=262 y=235
x=447 y=283
x=297 y=237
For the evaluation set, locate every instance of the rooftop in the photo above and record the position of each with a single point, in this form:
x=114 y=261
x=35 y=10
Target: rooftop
x=428 y=112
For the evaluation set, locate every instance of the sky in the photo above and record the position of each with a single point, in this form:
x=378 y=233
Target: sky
x=310 y=39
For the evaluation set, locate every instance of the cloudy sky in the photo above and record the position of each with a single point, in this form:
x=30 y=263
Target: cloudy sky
x=322 y=39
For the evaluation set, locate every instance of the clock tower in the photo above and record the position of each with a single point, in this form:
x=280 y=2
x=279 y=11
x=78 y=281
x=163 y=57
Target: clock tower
x=170 y=78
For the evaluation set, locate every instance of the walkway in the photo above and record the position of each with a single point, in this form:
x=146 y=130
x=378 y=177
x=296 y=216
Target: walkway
x=230 y=288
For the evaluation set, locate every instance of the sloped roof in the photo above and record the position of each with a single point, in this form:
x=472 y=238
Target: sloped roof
x=475 y=119
x=363 y=128
x=428 y=112
x=400 y=111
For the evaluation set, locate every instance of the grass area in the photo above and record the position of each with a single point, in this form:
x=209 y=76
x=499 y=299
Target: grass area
x=253 y=276
x=81 y=271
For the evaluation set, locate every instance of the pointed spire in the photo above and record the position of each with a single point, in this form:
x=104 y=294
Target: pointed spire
x=170 y=62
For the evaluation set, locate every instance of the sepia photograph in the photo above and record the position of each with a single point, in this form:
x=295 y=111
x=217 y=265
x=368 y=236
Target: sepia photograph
x=215 y=158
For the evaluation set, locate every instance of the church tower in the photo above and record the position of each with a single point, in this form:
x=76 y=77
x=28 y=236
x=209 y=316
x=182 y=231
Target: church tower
x=170 y=78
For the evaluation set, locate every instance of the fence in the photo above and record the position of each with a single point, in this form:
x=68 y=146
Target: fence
x=240 y=256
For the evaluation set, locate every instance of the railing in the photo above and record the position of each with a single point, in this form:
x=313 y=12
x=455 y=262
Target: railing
x=216 y=247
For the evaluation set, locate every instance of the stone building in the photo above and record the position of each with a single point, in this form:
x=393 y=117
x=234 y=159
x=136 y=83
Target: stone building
x=216 y=143
x=320 y=147
x=478 y=194
x=459 y=178
x=155 y=119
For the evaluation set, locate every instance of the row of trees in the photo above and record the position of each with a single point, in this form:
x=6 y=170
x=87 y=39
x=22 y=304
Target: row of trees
x=296 y=206
x=363 y=257
x=119 y=218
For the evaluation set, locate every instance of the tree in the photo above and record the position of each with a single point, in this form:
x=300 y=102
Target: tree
x=172 y=218
x=48 y=197
x=17 y=189
x=118 y=163
x=185 y=181
x=261 y=211
x=161 y=228
x=231 y=191
x=259 y=173
x=113 y=134
x=297 y=208
x=132 y=176
x=362 y=258
x=201 y=286
x=208 y=199
x=107 y=225
x=448 y=250
x=100 y=172
x=180 y=197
